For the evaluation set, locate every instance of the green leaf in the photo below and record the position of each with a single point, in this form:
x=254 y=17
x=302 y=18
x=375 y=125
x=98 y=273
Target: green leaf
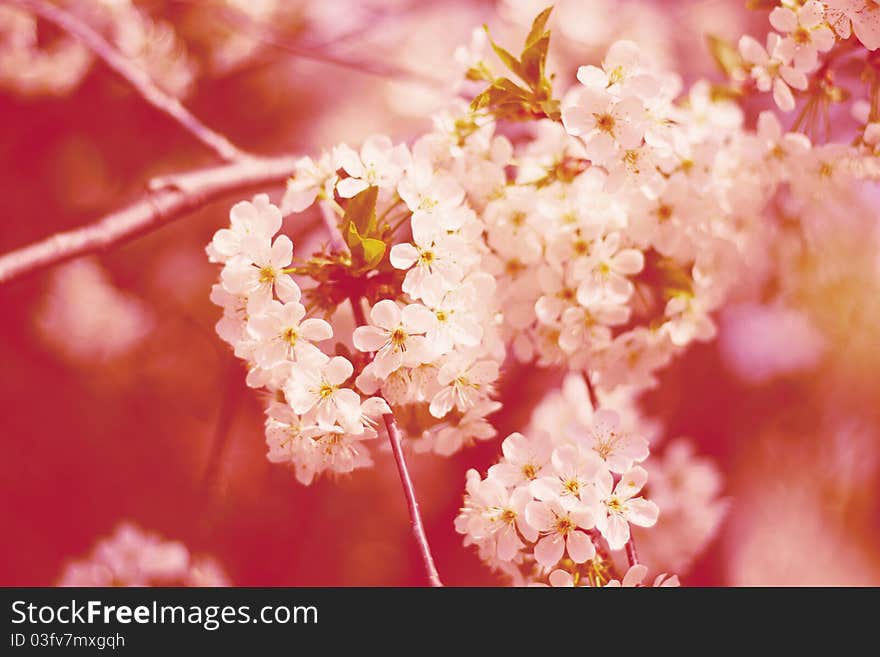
x=361 y=211
x=374 y=251
x=533 y=60
x=538 y=26
x=366 y=252
x=501 y=92
x=511 y=62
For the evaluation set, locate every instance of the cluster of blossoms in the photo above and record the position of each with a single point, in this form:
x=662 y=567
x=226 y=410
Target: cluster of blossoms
x=804 y=32
x=600 y=239
x=132 y=557
x=563 y=502
x=318 y=423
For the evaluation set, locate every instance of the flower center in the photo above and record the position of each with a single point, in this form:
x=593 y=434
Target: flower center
x=605 y=122
x=290 y=335
x=564 y=526
x=398 y=338
x=325 y=391
x=267 y=274
x=529 y=471
x=513 y=267
x=801 y=36
x=664 y=212
x=631 y=160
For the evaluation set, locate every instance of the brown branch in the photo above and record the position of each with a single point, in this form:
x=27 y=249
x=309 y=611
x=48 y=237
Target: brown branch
x=411 y=501
x=135 y=76
x=169 y=198
x=267 y=35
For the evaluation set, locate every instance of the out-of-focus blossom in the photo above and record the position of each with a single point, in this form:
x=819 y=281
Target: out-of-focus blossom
x=762 y=342
x=86 y=318
x=133 y=557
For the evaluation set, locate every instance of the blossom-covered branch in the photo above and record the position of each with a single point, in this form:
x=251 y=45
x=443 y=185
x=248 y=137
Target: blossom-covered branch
x=135 y=76
x=169 y=198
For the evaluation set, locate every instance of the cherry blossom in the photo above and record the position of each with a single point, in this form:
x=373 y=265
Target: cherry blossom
x=622 y=508
x=379 y=164
x=253 y=225
x=261 y=270
x=315 y=384
x=282 y=333
x=605 y=123
x=861 y=17
x=560 y=529
x=311 y=179
x=807 y=30
x=397 y=336
x=618 y=448
x=771 y=67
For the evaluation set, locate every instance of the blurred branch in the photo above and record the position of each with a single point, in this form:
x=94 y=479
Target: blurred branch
x=134 y=75
x=319 y=52
x=169 y=198
x=232 y=392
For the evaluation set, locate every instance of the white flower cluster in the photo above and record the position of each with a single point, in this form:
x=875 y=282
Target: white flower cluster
x=804 y=31
x=547 y=511
x=132 y=557
x=321 y=423
x=541 y=509
x=625 y=230
x=602 y=244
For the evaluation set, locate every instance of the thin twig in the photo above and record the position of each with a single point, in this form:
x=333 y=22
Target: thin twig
x=594 y=400
x=135 y=76
x=411 y=501
x=409 y=490
x=229 y=399
x=169 y=198
x=318 y=52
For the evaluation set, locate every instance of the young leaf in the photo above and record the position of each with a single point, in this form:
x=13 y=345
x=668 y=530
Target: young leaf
x=361 y=211
x=533 y=59
x=725 y=54
x=511 y=62
x=538 y=26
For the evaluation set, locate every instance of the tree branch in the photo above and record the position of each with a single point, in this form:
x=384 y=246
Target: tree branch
x=136 y=77
x=170 y=197
x=411 y=501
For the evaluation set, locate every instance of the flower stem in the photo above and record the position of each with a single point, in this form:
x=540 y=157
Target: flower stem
x=409 y=490
x=411 y=501
x=594 y=400
x=358 y=311
x=631 y=555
